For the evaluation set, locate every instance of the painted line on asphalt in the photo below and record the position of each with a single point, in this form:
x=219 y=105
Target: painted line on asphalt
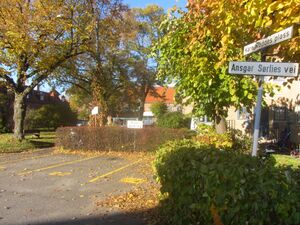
x=113 y=171
x=133 y=180
x=23 y=159
x=58 y=165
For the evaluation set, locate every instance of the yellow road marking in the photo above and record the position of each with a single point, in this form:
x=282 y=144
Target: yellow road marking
x=114 y=171
x=60 y=174
x=57 y=165
x=132 y=180
x=22 y=159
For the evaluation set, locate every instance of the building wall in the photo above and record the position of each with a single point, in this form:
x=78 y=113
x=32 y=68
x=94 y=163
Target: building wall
x=282 y=111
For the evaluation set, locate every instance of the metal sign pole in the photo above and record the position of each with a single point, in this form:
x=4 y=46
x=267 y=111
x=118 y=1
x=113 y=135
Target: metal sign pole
x=257 y=116
x=257 y=112
x=264 y=69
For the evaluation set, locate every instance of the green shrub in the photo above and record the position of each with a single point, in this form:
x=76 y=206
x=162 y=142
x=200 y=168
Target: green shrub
x=3 y=113
x=173 y=120
x=116 y=138
x=241 y=142
x=233 y=140
x=51 y=116
x=159 y=109
x=203 y=185
x=203 y=129
x=220 y=141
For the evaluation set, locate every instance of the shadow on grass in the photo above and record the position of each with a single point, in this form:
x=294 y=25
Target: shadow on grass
x=132 y=218
x=42 y=144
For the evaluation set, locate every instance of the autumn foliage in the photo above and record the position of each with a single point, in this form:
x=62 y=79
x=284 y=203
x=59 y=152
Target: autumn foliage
x=116 y=138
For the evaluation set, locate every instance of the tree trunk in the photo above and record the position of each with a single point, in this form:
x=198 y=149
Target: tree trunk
x=220 y=125
x=142 y=103
x=19 y=116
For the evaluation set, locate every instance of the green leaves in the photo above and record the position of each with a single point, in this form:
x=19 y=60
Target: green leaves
x=203 y=182
x=196 y=47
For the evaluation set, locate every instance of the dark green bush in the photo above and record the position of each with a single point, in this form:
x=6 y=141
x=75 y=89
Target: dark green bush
x=241 y=142
x=159 y=109
x=116 y=138
x=173 y=120
x=203 y=185
x=50 y=116
x=3 y=113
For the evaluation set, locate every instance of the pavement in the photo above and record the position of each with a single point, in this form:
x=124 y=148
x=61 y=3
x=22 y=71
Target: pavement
x=43 y=187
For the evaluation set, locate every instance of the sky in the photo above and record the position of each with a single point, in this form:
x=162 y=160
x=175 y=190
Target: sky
x=164 y=3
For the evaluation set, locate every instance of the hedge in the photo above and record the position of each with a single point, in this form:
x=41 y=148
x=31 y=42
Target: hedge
x=204 y=185
x=116 y=138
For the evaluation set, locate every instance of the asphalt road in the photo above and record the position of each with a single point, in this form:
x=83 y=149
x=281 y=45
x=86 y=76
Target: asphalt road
x=45 y=188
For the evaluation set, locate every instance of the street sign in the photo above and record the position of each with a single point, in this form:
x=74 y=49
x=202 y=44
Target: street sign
x=134 y=124
x=95 y=110
x=264 y=69
x=268 y=41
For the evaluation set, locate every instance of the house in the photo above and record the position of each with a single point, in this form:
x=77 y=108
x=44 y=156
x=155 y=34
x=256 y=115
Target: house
x=34 y=100
x=37 y=99
x=282 y=111
x=161 y=94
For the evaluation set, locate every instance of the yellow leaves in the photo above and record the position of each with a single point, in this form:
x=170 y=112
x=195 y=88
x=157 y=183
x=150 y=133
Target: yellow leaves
x=253 y=12
x=268 y=21
x=224 y=40
x=277 y=5
x=132 y=180
x=215 y=215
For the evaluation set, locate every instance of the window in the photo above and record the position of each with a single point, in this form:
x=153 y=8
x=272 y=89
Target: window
x=297 y=111
x=205 y=119
x=280 y=113
x=242 y=114
x=42 y=97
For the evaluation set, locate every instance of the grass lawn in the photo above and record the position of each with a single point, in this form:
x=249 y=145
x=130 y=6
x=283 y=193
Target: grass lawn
x=9 y=144
x=287 y=160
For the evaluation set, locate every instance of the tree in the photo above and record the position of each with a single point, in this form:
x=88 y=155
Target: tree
x=116 y=70
x=159 y=109
x=105 y=65
x=36 y=37
x=145 y=22
x=196 y=47
x=80 y=101
x=51 y=116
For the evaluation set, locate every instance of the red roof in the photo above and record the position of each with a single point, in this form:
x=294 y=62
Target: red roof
x=161 y=94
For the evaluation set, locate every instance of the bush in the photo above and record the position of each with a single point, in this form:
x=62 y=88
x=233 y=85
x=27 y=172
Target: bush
x=241 y=142
x=234 y=140
x=159 y=109
x=173 y=120
x=51 y=116
x=3 y=113
x=203 y=185
x=116 y=138
x=208 y=136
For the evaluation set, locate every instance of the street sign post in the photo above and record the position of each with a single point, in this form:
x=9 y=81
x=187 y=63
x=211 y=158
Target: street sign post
x=95 y=110
x=134 y=124
x=269 y=41
x=262 y=69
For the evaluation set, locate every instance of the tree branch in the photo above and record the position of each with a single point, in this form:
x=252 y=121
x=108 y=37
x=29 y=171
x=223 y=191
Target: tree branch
x=46 y=73
x=9 y=81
